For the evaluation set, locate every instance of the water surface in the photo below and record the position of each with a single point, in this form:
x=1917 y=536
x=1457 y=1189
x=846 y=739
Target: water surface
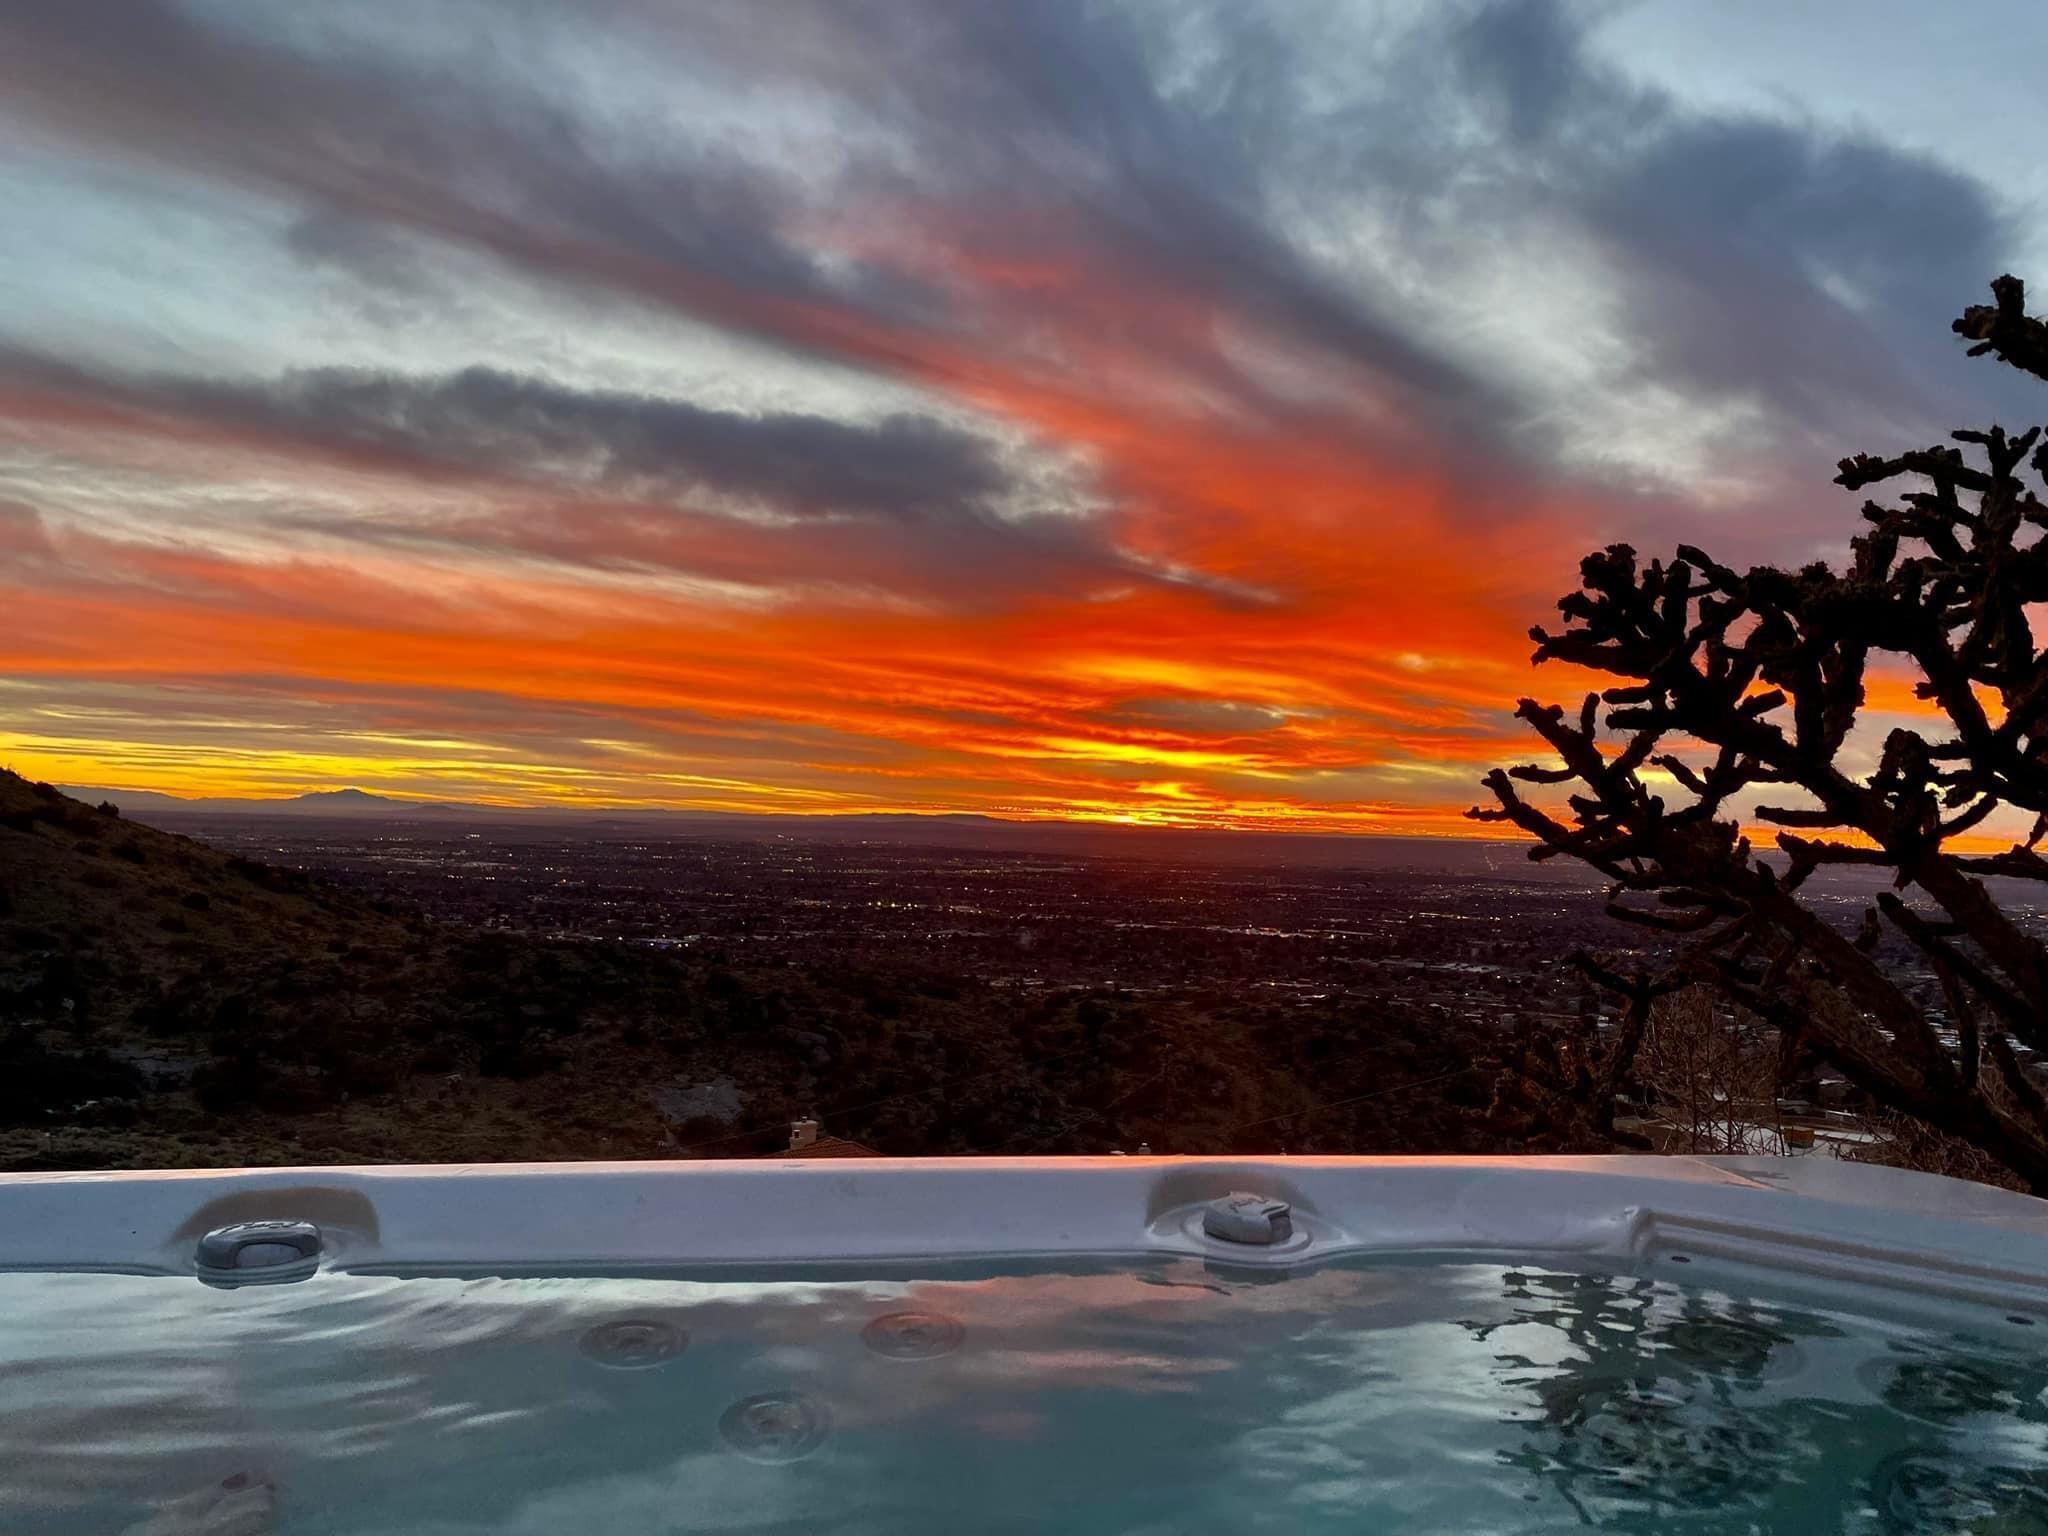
x=1170 y=1398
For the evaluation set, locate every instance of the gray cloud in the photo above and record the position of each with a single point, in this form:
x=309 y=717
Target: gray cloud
x=904 y=467
x=481 y=156
x=905 y=506
x=1067 y=105
x=1751 y=261
x=1756 y=262
x=495 y=424
x=1032 y=113
x=1814 y=269
x=372 y=252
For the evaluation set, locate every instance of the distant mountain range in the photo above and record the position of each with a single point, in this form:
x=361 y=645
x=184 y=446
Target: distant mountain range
x=954 y=829
x=361 y=803
x=325 y=802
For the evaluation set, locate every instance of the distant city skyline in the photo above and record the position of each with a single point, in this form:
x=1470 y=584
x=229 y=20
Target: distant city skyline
x=1157 y=413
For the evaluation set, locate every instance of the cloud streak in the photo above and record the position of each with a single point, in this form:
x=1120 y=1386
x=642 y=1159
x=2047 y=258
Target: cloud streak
x=483 y=421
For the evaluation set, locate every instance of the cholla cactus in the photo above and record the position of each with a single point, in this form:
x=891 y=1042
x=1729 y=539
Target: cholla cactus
x=1736 y=695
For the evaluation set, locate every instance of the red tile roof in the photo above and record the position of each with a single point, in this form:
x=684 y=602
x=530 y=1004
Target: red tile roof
x=833 y=1146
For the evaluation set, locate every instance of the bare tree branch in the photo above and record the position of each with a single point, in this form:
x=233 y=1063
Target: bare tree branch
x=1765 y=669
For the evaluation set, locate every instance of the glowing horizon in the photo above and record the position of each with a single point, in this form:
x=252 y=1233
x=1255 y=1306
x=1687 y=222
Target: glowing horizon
x=1078 y=413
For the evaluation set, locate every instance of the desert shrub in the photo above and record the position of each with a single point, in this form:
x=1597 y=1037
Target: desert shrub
x=37 y=1082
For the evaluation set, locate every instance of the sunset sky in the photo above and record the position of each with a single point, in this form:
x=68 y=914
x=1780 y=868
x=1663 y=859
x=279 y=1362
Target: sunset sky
x=1170 y=412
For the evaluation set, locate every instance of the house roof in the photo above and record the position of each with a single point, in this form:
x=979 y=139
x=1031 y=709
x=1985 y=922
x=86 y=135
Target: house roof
x=833 y=1146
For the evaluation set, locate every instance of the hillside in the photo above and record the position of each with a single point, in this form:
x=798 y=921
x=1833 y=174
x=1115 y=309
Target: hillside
x=164 y=1004
x=136 y=906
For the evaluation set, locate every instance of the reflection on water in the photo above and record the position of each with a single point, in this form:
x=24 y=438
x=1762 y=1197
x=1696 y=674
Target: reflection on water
x=1659 y=1406
x=1365 y=1397
x=1686 y=1410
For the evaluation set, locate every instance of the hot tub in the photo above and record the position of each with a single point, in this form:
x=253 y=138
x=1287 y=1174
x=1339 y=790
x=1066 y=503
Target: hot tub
x=1638 y=1344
